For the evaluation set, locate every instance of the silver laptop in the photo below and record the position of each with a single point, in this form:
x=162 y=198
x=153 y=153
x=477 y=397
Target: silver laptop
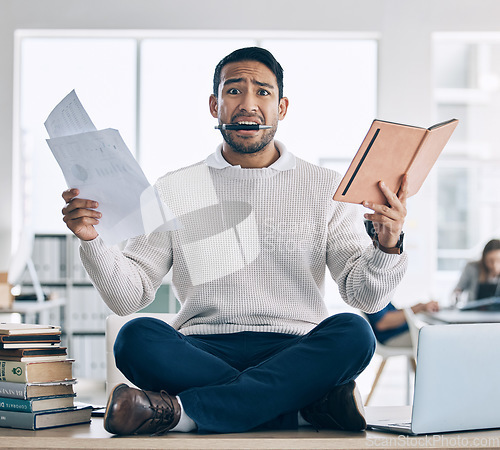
x=457 y=382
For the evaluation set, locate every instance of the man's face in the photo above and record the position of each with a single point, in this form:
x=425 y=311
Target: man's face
x=248 y=92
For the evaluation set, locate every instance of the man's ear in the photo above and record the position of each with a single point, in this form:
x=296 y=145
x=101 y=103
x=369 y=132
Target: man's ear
x=282 y=108
x=213 y=105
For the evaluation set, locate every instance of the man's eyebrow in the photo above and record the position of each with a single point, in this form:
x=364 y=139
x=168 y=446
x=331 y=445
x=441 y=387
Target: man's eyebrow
x=232 y=81
x=262 y=84
x=239 y=80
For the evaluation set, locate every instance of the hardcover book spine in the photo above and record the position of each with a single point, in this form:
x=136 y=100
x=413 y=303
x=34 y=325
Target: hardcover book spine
x=16 y=419
x=15 y=404
x=13 y=390
x=13 y=371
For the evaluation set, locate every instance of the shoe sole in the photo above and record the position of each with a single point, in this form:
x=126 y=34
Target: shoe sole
x=107 y=426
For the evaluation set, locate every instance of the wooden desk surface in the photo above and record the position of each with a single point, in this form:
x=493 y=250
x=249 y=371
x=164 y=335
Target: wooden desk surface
x=94 y=436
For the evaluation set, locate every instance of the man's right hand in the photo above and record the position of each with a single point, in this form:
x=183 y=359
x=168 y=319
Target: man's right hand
x=80 y=215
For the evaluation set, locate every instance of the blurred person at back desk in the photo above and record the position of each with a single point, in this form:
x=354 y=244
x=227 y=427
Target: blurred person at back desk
x=390 y=327
x=480 y=279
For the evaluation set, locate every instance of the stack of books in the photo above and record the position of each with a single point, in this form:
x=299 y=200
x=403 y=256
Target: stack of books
x=36 y=379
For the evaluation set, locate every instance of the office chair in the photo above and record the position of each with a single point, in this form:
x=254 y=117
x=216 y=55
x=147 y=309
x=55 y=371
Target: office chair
x=414 y=325
x=387 y=352
x=113 y=325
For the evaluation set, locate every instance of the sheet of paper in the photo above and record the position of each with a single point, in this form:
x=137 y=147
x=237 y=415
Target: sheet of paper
x=68 y=117
x=100 y=165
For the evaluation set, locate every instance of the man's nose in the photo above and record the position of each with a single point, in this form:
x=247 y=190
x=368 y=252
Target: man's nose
x=248 y=103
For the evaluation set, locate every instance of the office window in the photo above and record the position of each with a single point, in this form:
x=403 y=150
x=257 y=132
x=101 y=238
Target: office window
x=331 y=85
x=467 y=86
x=332 y=88
x=156 y=90
x=176 y=127
x=103 y=73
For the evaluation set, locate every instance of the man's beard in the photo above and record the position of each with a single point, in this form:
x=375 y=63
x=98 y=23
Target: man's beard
x=241 y=146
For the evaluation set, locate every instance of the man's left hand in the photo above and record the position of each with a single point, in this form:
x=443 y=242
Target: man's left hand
x=388 y=219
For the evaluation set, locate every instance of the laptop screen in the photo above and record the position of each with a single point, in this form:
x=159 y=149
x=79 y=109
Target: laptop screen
x=456 y=382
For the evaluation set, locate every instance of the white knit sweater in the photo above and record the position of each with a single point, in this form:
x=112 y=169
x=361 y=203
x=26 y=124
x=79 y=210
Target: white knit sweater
x=252 y=251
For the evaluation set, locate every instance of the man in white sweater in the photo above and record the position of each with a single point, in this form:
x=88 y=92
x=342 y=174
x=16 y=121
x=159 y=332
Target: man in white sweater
x=252 y=345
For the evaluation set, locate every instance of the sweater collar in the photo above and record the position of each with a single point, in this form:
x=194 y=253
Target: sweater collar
x=286 y=161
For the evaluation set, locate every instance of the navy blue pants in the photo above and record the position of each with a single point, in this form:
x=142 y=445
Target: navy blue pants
x=242 y=381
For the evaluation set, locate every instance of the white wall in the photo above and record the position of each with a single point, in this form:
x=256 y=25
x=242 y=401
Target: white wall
x=405 y=86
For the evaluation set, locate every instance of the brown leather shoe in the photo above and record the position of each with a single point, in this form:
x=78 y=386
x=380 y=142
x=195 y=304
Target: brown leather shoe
x=132 y=411
x=340 y=409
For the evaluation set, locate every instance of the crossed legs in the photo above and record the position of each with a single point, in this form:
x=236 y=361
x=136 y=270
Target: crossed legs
x=237 y=382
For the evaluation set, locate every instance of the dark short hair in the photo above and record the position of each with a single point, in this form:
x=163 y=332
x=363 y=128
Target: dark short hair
x=251 y=54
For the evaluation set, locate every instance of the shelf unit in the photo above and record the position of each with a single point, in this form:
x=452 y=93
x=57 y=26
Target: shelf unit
x=61 y=274
x=62 y=277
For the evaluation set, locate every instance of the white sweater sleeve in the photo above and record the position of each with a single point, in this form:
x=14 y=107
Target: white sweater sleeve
x=127 y=280
x=366 y=276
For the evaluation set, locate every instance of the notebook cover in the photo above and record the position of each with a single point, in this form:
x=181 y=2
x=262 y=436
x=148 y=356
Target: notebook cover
x=388 y=151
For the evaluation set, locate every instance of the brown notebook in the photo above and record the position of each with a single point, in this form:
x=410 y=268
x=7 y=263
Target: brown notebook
x=388 y=151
